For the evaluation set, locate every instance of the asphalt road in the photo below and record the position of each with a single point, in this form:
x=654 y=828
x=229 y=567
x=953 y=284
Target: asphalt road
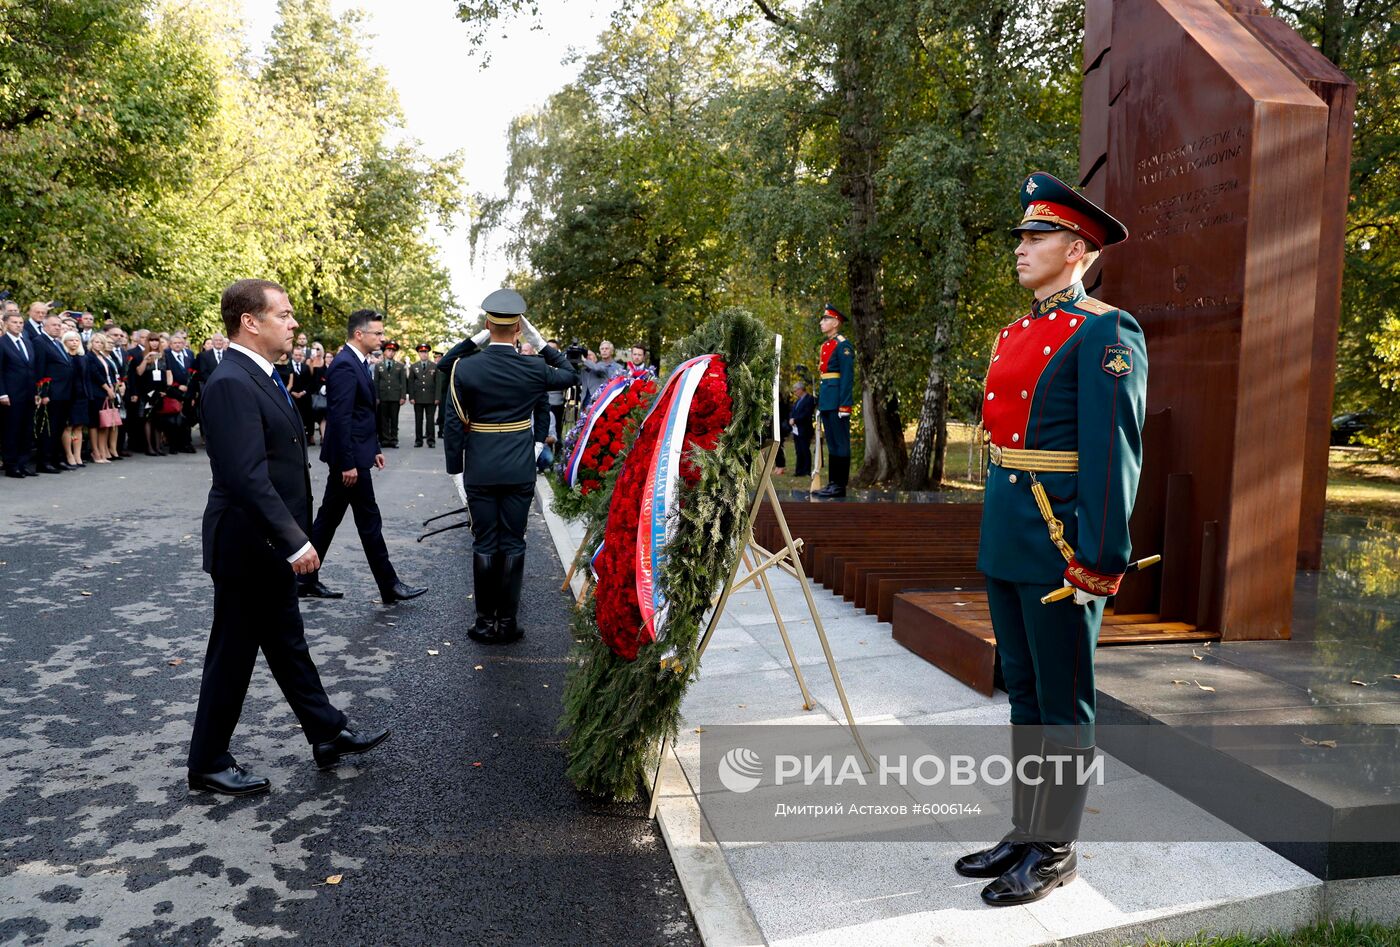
x=461 y=829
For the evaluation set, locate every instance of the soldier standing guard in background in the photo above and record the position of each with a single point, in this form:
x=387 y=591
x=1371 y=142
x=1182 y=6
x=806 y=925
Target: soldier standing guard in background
x=491 y=445
x=391 y=386
x=835 y=395
x=1063 y=408
x=423 y=389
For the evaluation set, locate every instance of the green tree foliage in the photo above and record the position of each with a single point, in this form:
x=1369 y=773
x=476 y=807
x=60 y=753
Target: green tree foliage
x=146 y=161
x=1362 y=37
x=619 y=189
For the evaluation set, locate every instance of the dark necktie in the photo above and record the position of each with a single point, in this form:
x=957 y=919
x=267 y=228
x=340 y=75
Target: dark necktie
x=278 y=379
x=22 y=350
x=218 y=356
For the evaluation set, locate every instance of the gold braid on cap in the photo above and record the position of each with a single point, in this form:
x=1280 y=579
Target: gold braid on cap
x=499 y=320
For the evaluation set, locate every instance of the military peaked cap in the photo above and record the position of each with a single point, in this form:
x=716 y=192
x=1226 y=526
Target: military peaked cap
x=830 y=311
x=504 y=307
x=1051 y=204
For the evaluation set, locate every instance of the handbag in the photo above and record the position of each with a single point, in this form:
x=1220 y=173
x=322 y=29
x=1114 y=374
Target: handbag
x=169 y=405
x=318 y=401
x=108 y=416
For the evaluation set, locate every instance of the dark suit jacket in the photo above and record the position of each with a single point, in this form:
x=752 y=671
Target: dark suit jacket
x=17 y=374
x=501 y=386
x=801 y=414
x=181 y=374
x=259 y=509
x=95 y=371
x=306 y=381
x=352 y=429
x=52 y=363
x=32 y=334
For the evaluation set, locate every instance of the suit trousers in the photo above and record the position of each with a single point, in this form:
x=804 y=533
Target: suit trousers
x=389 y=423
x=256 y=608
x=423 y=418
x=1047 y=658
x=17 y=432
x=499 y=514
x=368 y=522
x=51 y=450
x=838 y=434
x=802 y=444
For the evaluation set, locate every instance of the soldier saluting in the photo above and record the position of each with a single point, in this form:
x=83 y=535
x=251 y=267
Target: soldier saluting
x=1063 y=408
x=491 y=443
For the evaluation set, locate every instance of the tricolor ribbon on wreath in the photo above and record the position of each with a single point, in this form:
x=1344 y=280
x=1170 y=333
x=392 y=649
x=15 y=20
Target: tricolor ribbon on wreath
x=601 y=400
x=659 y=507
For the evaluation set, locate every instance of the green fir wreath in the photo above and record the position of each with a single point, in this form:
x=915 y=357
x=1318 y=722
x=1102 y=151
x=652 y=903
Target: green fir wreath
x=616 y=711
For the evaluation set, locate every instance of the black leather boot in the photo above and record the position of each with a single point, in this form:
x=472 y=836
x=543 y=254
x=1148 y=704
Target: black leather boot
x=512 y=578
x=1051 y=860
x=484 y=588
x=1006 y=854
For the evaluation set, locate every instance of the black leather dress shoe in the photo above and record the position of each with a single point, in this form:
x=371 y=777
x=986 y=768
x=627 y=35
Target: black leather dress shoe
x=401 y=593
x=234 y=781
x=995 y=861
x=16 y=474
x=1045 y=866
x=316 y=590
x=347 y=742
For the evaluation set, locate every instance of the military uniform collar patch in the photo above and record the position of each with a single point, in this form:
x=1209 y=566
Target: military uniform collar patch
x=1064 y=297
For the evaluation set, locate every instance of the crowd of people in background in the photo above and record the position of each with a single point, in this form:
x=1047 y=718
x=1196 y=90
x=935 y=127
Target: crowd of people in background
x=74 y=393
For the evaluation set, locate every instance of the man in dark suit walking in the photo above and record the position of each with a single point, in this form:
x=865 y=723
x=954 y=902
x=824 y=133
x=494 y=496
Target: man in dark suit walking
x=351 y=450
x=255 y=544
x=494 y=395
x=17 y=397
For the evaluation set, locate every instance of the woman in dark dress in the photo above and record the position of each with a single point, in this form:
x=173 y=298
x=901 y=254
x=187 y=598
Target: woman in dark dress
x=77 y=420
x=102 y=386
x=145 y=388
x=317 y=387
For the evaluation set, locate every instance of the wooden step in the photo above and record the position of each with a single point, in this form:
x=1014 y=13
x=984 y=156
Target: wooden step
x=953 y=630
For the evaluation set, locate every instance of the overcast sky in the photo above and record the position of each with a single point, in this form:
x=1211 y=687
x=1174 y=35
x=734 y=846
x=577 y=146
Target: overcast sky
x=451 y=103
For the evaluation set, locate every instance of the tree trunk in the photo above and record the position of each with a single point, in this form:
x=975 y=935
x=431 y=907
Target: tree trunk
x=931 y=437
x=1333 y=24
x=858 y=160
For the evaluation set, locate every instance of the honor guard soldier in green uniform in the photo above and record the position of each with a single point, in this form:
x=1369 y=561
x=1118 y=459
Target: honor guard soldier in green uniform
x=834 y=398
x=1062 y=413
x=491 y=444
x=423 y=390
x=391 y=385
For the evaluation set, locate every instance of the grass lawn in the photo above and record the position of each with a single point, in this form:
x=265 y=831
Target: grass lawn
x=1328 y=934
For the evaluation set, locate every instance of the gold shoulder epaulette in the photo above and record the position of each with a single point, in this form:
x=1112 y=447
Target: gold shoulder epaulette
x=1090 y=304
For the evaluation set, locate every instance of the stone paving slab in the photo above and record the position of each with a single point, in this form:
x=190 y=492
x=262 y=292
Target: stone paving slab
x=890 y=892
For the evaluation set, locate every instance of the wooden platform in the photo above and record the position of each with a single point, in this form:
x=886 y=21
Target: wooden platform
x=953 y=630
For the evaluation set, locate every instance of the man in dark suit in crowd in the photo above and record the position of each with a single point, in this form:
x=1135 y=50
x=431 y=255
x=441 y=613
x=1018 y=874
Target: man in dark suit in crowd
x=52 y=361
x=255 y=544
x=179 y=364
x=34 y=325
x=351 y=450
x=17 y=396
x=801 y=422
x=498 y=391
x=299 y=383
x=204 y=364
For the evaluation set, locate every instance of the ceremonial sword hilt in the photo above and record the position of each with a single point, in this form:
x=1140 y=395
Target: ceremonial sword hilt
x=1068 y=590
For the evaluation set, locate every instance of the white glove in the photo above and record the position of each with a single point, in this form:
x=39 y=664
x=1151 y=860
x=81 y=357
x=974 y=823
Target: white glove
x=539 y=449
x=461 y=487
x=530 y=334
x=480 y=338
x=1082 y=597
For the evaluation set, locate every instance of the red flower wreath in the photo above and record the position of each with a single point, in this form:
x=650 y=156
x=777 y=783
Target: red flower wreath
x=618 y=615
x=605 y=441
